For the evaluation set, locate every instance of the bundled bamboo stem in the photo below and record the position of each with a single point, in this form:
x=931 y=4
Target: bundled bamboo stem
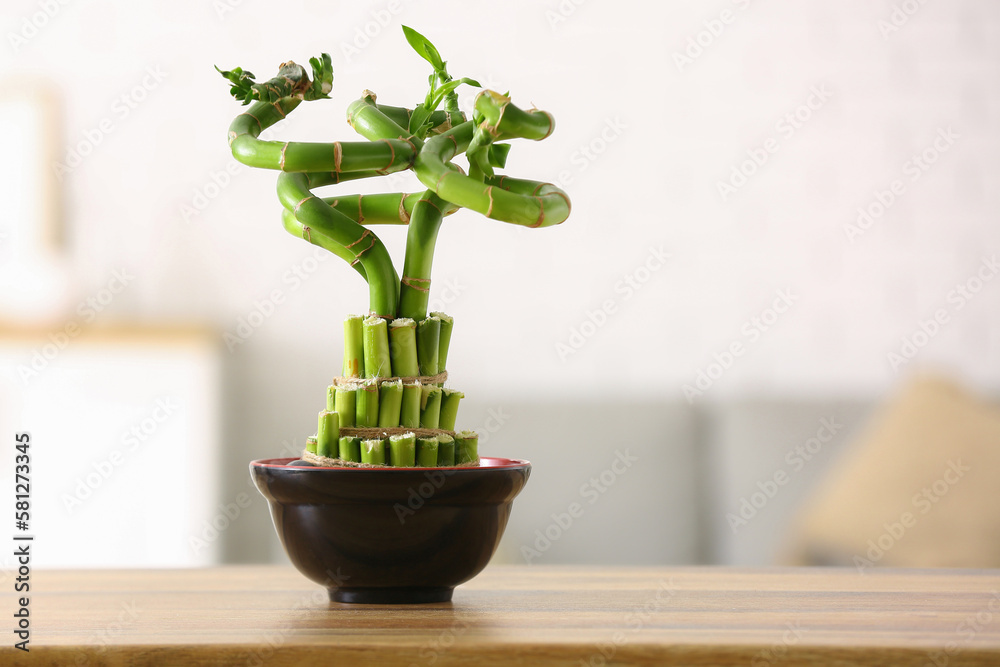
x=403 y=450
x=409 y=414
x=367 y=404
x=328 y=434
x=429 y=345
x=354 y=350
x=373 y=451
x=430 y=406
x=376 y=343
x=466 y=447
x=449 y=408
x=350 y=448
x=447 y=324
x=446 y=450
x=389 y=403
x=403 y=347
x=427 y=452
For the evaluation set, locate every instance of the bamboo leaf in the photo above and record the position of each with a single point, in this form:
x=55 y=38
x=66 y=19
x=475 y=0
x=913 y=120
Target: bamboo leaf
x=498 y=155
x=423 y=47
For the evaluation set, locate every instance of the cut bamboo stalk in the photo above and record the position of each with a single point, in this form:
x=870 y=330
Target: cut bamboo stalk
x=428 y=345
x=373 y=451
x=403 y=347
x=376 y=337
x=331 y=398
x=466 y=447
x=430 y=406
x=311 y=444
x=354 y=351
x=367 y=406
x=446 y=450
x=403 y=450
x=449 y=408
x=409 y=414
x=328 y=434
x=427 y=452
x=350 y=448
x=390 y=401
x=447 y=324
x=346 y=404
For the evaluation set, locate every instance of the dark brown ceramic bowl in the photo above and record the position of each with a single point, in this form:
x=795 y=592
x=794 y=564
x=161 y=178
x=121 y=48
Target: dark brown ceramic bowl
x=385 y=535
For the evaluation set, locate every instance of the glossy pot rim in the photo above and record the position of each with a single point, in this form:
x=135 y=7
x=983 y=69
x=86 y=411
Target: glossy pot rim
x=485 y=463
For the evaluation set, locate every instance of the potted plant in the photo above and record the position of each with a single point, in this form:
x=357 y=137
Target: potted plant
x=389 y=502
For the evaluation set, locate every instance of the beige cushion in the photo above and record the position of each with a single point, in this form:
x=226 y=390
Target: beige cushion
x=919 y=488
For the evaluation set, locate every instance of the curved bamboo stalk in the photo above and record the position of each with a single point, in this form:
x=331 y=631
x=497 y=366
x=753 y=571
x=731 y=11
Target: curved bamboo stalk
x=361 y=243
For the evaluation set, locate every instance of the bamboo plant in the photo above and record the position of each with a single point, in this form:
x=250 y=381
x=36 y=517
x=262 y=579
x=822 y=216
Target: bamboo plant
x=389 y=406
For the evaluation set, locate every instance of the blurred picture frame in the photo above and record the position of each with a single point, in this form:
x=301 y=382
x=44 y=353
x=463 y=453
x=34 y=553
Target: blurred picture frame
x=31 y=218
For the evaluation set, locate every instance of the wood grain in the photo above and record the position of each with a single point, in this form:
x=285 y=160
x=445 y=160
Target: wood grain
x=524 y=615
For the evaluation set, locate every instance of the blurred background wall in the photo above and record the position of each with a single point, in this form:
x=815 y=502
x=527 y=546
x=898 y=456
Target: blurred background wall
x=781 y=212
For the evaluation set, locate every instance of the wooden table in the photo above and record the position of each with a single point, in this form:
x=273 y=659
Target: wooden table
x=519 y=615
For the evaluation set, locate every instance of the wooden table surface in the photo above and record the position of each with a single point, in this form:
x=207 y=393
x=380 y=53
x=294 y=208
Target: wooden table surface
x=519 y=615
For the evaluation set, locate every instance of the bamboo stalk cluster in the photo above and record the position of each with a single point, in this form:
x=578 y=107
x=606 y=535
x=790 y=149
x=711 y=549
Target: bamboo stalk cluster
x=390 y=406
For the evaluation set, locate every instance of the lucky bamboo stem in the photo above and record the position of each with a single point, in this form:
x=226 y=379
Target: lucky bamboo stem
x=403 y=347
x=427 y=452
x=447 y=324
x=446 y=450
x=354 y=347
x=390 y=401
x=350 y=448
x=345 y=402
x=311 y=444
x=376 y=337
x=466 y=447
x=367 y=407
x=429 y=345
x=449 y=408
x=430 y=406
x=328 y=434
x=403 y=450
x=373 y=451
x=409 y=414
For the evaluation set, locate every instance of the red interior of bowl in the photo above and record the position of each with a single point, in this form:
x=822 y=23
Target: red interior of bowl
x=484 y=462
